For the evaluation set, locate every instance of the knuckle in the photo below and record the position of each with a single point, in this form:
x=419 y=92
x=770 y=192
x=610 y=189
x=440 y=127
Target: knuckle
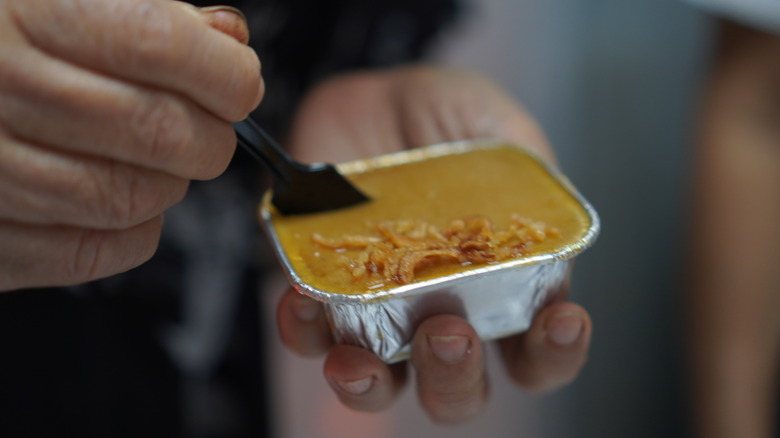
x=251 y=91
x=109 y=199
x=84 y=260
x=461 y=394
x=455 y=407
x=449 y=403
x=98 y=253
x=143 y=195
x=214 y=152
x=119 y=198
x=126 y=196
x=242 y=86
x=161 y=127
x=150 y=29
x=88 y=198
x=541 y=379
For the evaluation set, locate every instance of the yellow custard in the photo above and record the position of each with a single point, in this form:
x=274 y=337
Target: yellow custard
x=498 y=183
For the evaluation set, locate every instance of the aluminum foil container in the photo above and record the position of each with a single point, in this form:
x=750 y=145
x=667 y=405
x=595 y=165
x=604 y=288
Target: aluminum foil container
x=498 y=300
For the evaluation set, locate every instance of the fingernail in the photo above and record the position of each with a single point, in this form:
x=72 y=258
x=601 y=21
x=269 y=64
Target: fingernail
x=223 y=8
x=355 y=387
x=564 y=329
x=305 y=309
x=449 y=349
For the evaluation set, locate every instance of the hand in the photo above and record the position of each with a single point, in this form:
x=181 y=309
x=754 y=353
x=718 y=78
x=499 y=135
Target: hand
x=368 y=114
x=108 y=108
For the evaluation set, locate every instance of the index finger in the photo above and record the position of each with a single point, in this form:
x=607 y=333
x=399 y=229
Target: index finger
x=161 y=43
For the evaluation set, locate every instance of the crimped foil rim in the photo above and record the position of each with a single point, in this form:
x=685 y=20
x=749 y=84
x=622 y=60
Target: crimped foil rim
x=420 y=154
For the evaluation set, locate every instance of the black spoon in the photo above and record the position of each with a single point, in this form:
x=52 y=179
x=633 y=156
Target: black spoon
x=298 y=188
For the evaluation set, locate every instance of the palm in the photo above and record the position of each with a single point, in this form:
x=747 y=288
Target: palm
x=369 y=114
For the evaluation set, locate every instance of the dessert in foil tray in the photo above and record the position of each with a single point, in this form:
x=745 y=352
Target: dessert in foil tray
x=481 y=229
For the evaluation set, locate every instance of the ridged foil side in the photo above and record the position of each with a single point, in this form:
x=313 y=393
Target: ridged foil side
x=496 y=304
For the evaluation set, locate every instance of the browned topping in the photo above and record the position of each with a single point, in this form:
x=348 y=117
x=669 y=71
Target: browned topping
x=401 y=249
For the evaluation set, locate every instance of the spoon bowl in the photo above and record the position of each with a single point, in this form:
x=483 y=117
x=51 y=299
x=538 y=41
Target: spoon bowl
x=298 y=188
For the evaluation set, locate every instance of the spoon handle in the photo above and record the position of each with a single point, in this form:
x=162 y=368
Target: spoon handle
x=265 y=149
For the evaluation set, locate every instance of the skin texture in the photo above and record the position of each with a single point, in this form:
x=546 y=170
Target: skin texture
x=735 y=282
x=370 y=113
x=107 y=115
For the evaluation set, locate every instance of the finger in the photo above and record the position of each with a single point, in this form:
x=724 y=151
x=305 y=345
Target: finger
x=451 y=380
x=160 y=43
x=460 y=104
x=357 y=101
x=303 y=325
x=42 y=186
x=50 y=102
x=228 y=20
x=33 y=256
x=553 y=351
x=361 y=380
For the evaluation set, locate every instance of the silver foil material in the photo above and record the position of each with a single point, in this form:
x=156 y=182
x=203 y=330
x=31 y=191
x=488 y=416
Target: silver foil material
x=497 y=300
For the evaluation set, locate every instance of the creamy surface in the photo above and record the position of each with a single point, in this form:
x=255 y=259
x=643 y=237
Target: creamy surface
x=491 y=182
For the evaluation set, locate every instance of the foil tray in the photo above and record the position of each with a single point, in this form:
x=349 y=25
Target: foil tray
x=498 y=300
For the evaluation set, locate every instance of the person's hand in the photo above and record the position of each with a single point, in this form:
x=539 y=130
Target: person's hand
x=108 y=108
x=368 y=114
